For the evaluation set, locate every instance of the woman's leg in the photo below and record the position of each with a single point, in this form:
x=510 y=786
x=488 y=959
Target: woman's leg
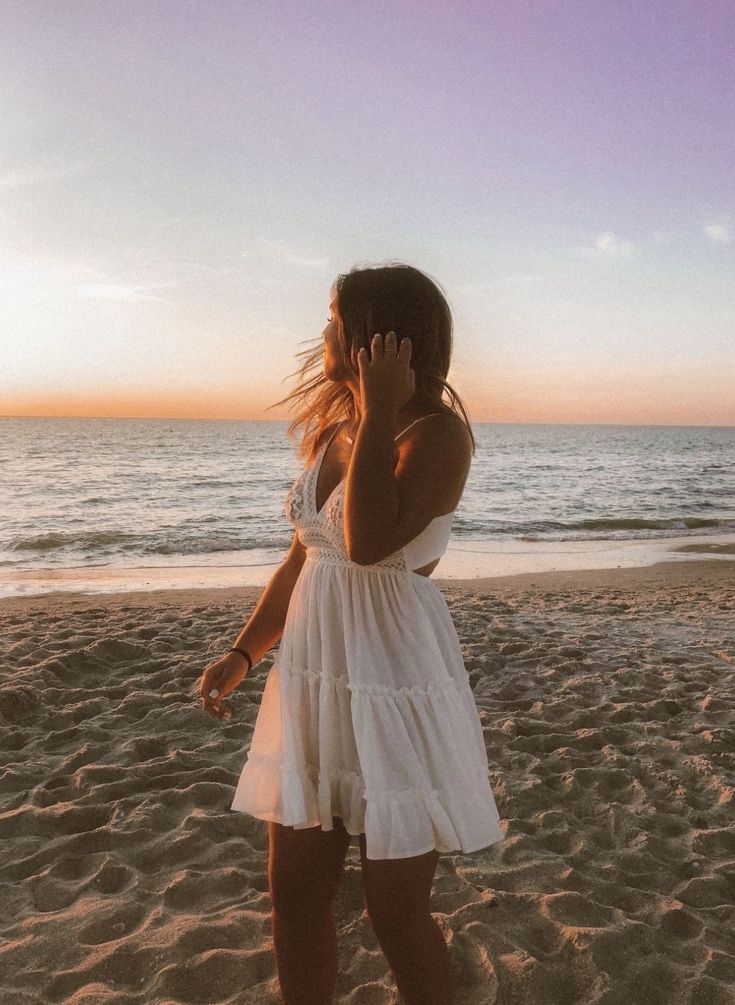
x=397 y=893
x=304 y=874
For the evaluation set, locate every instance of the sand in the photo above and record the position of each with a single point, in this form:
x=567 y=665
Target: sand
x=607 y=700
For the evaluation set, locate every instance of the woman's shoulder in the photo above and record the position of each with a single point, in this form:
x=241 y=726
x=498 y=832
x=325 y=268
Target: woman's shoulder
x=444 y=436
x=449 y=418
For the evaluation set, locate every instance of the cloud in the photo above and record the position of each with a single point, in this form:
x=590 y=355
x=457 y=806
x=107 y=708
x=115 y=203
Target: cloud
x=283 y=252
x=474 y=289
x=609 y=244
x=28 y=282
x=307 y=262
x=719 y=232
x=491 y=286
x=521 y=278
x=38 y=175
x=113 y=291
x=206 y=267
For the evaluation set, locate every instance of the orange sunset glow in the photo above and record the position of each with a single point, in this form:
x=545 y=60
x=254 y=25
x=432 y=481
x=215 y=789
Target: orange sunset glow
x=666 y=395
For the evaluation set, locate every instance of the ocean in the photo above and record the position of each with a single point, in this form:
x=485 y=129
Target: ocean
x=131 y=494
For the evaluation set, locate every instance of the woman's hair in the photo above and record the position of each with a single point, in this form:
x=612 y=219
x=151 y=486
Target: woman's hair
x=382 y=298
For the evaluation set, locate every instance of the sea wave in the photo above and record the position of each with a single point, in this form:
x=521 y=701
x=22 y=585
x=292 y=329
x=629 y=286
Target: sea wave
x=621 y=528
x=86 y=545
x=202 y=544
x=86 y=541
x=644 y=523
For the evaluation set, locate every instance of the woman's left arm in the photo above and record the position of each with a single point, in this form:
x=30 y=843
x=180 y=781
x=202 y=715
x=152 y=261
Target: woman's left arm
x=392 y=494
x=371 y=503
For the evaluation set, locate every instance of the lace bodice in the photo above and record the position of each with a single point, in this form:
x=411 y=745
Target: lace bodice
x=325 y=530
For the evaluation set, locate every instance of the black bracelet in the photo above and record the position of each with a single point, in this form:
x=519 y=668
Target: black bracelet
x=242 y=652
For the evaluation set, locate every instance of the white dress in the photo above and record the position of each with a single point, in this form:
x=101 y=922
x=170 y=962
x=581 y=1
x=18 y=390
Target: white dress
x=367 y=711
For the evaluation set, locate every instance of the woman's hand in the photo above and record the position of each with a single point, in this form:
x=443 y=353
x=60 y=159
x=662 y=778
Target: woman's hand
x=387 y=382
x=217 y=681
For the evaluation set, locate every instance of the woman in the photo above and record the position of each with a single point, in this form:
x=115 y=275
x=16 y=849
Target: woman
x=367 y=725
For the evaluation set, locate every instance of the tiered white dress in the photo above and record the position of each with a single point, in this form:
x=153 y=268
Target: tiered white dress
x=367 y=712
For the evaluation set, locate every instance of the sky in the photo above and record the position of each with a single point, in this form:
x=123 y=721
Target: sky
x=182 y=182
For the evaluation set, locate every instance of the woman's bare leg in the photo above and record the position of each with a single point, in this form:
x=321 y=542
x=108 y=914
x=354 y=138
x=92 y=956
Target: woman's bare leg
x=304 y=874
x=397 y=893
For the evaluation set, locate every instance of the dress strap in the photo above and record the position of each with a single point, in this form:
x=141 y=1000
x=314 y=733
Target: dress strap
x=415 y=421
x=323 y=448
x=328 y=439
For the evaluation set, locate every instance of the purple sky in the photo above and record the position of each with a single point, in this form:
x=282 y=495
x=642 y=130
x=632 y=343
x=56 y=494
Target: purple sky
x=181 y=182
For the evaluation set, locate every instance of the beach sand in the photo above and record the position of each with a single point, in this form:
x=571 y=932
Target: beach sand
x=607 y=700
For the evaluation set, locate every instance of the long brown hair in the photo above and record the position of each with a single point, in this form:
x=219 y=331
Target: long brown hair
x=380 y=298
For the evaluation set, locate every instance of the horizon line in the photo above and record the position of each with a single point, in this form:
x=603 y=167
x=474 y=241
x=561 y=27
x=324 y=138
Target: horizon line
x=478 y=422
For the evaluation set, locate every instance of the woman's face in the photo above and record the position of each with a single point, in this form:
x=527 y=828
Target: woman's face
x=335 y=367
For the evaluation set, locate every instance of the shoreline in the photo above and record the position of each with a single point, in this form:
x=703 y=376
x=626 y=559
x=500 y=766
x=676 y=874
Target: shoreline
x=475 y=563
x=706 y=572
